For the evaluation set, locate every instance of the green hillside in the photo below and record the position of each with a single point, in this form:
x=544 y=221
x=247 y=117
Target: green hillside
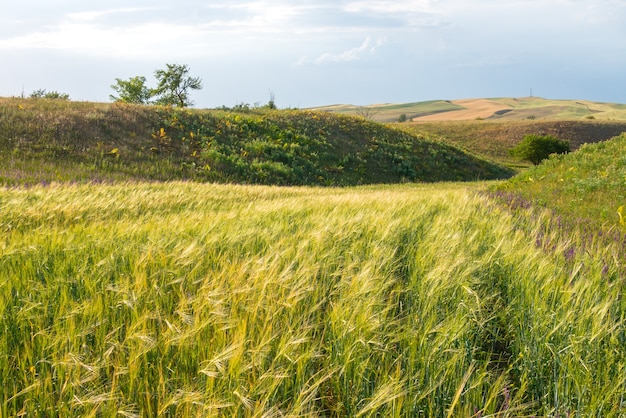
x=586 y=186
x=581 y=199
x=494 y=138
x=50 y=140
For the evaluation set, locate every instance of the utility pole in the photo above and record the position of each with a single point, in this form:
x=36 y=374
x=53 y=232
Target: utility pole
x=531 y=92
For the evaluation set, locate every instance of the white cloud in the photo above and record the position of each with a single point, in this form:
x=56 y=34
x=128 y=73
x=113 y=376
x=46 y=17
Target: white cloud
x=97 y=14
x=352 y=54
x=430 y=42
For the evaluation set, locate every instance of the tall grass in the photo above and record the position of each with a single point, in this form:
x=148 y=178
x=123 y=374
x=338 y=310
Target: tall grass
x=181 y=299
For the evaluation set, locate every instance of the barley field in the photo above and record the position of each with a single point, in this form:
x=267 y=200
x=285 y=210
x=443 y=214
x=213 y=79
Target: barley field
x=199 y=300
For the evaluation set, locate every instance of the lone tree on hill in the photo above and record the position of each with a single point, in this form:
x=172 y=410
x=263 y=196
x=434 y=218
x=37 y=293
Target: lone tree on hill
x=133 y=90
x=174 y=85
x=536 y=148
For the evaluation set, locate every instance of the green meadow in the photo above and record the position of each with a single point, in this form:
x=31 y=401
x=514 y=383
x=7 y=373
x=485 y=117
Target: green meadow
x=135 y=284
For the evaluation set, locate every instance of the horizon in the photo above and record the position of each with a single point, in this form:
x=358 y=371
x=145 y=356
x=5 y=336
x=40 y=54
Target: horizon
x=312 y=54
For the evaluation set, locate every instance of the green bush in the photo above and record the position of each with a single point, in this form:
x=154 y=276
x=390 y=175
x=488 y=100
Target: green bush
x=536 y=148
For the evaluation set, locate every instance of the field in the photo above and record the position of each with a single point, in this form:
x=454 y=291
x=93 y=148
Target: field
x=137 y=278
x=493 y=109
x=491 y=127
x=183 y=299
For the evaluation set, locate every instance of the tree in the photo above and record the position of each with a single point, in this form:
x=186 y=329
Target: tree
x=272 y=103
x=133 y=90
x=366 y=112
x=43 y=94
x=536 y=148
x=174 y=85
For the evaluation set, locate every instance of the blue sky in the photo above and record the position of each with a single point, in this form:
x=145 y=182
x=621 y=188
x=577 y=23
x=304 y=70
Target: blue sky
x=318 y=52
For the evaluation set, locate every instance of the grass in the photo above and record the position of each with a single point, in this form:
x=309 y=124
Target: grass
x=42 y=141
x=183 y=299
x=120 y=296
x=586 y=185
x=494 y=138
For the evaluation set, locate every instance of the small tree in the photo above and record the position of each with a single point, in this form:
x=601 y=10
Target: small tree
x=272 y=102
x=133 y=90
x=366 y=112
x=43 y=94
x=174 y=85
x=536 y=148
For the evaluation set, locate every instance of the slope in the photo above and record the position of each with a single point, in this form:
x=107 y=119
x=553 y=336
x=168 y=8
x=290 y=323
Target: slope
x=48 y=140
x=506 y=109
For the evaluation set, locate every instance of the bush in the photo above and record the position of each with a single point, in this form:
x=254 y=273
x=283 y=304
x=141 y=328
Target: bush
x=536 y=148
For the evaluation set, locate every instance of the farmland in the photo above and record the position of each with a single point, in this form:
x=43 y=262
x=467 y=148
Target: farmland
x=188 y=299
x=125 y=293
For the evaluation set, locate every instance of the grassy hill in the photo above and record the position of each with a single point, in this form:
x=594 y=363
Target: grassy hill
x=491 y=127
x=494 y=138
x=585 y=186
x=508 y=109
x=392 y=112
x=50 y=140
x=581 y=198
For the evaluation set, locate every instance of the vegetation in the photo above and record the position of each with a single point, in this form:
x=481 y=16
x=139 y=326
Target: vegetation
x=182 y=299
x=536 y=148
x=43 y=94
x=174 y=85
x=133 y=90
x=173 y=89
x=587 y=185
x=45 y=141
x=495 y=139
x=179 y=298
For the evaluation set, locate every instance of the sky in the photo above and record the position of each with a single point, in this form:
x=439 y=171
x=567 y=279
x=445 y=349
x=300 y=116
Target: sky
x=308 y=53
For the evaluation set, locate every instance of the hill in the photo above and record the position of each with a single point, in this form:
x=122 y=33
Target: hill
x=494 y=138
x=578 y=199
x=491 y=127
x=586 y=186
x=508 y=109
x=51 y=140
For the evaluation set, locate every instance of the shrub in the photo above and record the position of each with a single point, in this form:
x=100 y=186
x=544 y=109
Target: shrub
x=536 y=148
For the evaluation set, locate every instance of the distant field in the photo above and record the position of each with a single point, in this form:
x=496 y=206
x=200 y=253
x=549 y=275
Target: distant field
x=492 y=109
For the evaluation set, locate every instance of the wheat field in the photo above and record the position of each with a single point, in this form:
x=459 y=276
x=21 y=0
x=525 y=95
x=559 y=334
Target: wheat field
x=196 y=300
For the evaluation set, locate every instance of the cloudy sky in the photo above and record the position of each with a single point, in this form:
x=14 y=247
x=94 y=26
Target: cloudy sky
x=317 y=52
